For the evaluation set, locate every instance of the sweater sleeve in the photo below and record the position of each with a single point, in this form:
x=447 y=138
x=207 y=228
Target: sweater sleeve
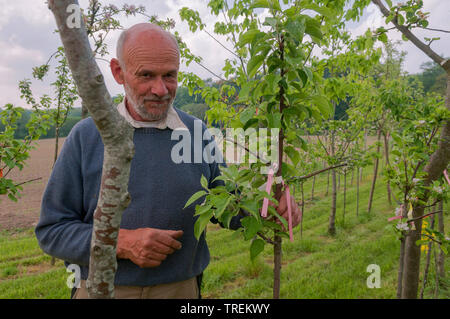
x=61 y=231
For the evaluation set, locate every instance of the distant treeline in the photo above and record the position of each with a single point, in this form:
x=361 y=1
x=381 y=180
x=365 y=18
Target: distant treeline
x=432 y=78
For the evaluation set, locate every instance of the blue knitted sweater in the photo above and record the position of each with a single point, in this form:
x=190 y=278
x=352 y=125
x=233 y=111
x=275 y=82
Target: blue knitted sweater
x=159 y=189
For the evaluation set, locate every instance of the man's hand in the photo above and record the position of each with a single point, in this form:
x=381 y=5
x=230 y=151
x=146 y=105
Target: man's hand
x=147 y=247
x=282 y=209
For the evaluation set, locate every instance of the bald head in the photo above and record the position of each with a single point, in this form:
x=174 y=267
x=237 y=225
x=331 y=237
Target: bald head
x=138 y=32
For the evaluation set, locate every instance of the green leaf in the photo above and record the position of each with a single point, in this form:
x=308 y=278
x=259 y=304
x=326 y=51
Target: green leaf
x=293 y=154
x=313 y=29
x=201 y=223
x=254 y=64
x=296 y=28
x=251 y=227
x=221 y=203
x=201 y=209
x=321 y=10
x=260 y=4
x=270 y=21
x=251 y=206
x=248 y=36
x=204 y=182
x=194 y=197
x=256 y=248
x=12 y=197
x=323 y=104
x=246 y=115
x=383 y=38
x=389 y=2
x=400 y=19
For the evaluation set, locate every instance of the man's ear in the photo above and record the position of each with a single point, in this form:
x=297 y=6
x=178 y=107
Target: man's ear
x=116 y=71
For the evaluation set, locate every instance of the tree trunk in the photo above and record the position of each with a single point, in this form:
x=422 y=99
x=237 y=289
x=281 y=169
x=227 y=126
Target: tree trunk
x=277 y=255
x=401 y=263
x=441 y=258
x=332 y=220
x=277 y=239
x=328 y=183
x=386 y=156
x=427 y=263
x=345 y=191
x=375 y=173
x=84 y=110
x=117 y=137
x=436 y=165
x=303 y=209
x=411 y=269
x=357 y=191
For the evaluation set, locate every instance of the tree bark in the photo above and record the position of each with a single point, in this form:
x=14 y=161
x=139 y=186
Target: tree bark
x=386 y=156
x=357 y=190
x=441 y=258
x=345 y=191
x=375 y=173
x=427 y=263
x=332 y=220
x=117 y=137
x=401 y=263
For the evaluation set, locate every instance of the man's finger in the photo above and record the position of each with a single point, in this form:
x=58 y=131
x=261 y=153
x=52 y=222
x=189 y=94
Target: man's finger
x=167 y=238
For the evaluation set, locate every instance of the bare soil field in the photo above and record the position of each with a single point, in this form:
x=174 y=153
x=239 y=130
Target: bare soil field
x=25 y=213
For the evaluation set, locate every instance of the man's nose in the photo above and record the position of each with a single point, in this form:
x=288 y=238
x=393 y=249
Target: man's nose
x=159 y=87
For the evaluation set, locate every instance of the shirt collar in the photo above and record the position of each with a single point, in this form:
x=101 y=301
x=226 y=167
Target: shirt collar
x=171 y=121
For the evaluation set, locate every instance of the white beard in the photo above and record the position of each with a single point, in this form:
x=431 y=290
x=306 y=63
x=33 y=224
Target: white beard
x=139 y=105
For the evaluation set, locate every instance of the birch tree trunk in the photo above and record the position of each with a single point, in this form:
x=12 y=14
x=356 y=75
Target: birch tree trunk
x=117 y=137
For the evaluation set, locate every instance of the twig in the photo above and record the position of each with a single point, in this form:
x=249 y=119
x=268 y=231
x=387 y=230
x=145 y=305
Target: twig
x=31 y=180
x=295 y=178
x=433 y=29
x=423 y=216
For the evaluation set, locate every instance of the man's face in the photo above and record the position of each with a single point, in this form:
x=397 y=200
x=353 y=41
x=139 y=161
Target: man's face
x=150 y=76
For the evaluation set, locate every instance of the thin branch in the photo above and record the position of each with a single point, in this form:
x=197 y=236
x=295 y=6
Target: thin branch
x=29 y=181
x=432 y=238
x=296 y=178
x=433 y=29
x=233 y=53
x=266 y=162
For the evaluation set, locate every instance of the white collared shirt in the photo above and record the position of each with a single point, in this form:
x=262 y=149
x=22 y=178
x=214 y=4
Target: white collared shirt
x=171 y=121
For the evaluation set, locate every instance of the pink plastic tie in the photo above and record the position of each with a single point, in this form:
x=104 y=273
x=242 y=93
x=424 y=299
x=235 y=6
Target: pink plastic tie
x=268 y=190
x=394 y=218
x=288 y=198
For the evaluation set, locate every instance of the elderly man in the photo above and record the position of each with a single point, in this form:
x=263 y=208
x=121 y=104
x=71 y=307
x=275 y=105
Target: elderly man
x=158 y=255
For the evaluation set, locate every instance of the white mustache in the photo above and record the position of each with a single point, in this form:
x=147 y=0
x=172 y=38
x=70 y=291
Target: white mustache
x=157 y=99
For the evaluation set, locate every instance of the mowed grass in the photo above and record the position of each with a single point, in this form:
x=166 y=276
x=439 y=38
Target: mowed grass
x=315 y=265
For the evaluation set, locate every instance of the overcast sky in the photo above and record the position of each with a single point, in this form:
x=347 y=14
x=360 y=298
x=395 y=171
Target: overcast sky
x=27 y=39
